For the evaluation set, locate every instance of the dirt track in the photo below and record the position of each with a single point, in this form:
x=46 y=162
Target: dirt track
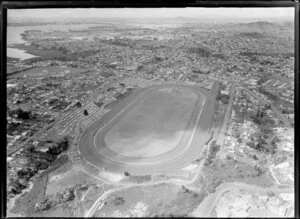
x=198 y=131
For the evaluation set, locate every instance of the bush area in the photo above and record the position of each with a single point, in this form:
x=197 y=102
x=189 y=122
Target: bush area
x=262 y=145
x=20 y=114
x=36 y=161
x=25 y=204
x=118 y=201
x=51 y=201
x=223 y=98
x=211 y=154
x=265 y=124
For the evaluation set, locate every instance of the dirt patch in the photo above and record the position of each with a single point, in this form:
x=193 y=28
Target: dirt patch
x=63 y=169
x=59 y=182
x=136 y=179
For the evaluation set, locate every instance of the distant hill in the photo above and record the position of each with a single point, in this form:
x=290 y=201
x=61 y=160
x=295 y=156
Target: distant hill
x=255 y=35
x=259 y=24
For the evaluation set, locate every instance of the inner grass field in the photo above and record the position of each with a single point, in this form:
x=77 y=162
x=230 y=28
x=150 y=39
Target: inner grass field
x=155 y=125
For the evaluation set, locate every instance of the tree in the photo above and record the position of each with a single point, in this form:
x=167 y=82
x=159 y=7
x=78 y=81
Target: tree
x=23 y=114
x=78 y=104
x=16 y=186
x=21 y=173
x=30 y=149
x=85 y=112
x=43 y=165
x=126 y=174
x=63 y=144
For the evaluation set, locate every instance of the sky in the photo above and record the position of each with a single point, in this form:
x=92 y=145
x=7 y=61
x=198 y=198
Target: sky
x=217 y=13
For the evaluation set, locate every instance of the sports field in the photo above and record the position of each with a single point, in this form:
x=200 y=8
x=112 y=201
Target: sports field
x=155 y=129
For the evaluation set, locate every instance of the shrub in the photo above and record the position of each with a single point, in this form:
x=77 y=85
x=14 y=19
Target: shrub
x=58 y=147
x=16 y=186
x=21 y=173
x=23 y=114
x=43 y=165
x=119 y=201
x=30 y=149
x=78 y=104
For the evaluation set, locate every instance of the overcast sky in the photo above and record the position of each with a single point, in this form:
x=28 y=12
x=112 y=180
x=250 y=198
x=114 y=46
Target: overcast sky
x=69 y=13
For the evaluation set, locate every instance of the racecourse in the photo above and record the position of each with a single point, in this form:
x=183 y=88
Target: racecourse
x=154 y=130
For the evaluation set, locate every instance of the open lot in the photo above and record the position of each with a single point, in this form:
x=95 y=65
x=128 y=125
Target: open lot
x=177 y=118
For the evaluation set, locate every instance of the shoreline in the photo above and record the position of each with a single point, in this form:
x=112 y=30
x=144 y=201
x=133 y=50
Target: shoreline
x=39 y=54
x=18 y=54
x=45 y=54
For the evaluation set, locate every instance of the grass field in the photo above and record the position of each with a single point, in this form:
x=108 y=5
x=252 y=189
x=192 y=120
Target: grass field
x=154 y=126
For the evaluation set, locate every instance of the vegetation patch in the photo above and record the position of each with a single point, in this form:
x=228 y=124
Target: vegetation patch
x=25 y=204
x=36 y=161
x=200 y=51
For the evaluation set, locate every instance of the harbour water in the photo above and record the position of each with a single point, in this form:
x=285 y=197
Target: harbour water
x=14 y=37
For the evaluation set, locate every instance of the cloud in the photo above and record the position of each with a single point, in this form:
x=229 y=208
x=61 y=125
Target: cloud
x=217 y=13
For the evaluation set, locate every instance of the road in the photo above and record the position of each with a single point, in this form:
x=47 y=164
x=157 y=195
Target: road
x=221 y=134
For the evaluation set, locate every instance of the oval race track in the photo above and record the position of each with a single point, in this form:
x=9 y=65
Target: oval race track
x=156 y=129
